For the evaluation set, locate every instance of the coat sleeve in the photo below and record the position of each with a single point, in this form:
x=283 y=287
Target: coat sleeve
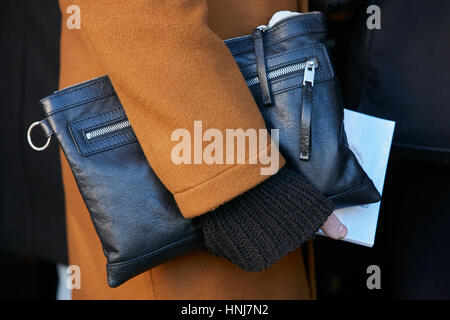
x=169 y=69
x=303 y=5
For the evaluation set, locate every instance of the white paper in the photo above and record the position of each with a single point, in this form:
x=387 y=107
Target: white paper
x=370 y=140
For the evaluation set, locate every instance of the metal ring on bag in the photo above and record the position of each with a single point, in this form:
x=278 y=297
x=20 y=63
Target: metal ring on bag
x=30 y=142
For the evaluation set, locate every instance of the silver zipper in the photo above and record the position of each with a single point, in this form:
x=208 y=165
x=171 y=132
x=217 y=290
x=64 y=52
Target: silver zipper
x=237 y=38
x=107 y=129
x=284 y=70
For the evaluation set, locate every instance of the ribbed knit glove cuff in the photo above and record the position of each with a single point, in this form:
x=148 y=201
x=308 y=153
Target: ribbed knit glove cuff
x=262 y=225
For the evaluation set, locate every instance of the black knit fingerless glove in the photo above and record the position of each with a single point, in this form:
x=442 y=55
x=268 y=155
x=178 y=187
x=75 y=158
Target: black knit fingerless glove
x=262 y=225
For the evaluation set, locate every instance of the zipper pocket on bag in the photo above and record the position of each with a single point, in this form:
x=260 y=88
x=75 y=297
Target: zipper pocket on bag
x=97 y=133
x=296 y=67
x=111 y=128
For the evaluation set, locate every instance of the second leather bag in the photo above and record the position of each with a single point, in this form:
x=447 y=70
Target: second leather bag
x=288 y=70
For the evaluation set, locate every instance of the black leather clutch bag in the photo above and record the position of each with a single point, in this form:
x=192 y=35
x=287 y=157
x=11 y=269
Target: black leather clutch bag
x=139 y=225
x=290 y=75
x=135 y=216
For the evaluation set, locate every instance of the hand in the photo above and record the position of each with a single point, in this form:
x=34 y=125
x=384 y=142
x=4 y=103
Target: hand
x=334 y=228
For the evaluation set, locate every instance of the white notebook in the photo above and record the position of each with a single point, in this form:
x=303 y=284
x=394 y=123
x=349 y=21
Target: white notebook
x=370 y=140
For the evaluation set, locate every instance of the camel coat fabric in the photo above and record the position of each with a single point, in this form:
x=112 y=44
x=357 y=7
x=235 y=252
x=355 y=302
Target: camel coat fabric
x=169 y=66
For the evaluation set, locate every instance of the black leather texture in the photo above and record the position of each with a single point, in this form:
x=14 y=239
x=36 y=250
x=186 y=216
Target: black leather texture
x=135 y=216
x=305 y=121
x=314 y=144
x=261 y=67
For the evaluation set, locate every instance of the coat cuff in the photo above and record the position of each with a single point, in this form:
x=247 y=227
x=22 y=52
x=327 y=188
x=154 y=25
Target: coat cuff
x=216 y=191
x=261 y=226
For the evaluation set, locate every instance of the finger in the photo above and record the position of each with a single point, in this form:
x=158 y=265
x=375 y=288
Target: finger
x=334 y=228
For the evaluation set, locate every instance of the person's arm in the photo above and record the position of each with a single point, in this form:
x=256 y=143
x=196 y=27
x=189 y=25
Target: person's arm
x=169 y=70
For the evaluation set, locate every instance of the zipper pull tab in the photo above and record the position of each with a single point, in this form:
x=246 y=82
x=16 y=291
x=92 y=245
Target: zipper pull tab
x=262 y=27
x=306 y=111
x=309 y=74
x=261 y=66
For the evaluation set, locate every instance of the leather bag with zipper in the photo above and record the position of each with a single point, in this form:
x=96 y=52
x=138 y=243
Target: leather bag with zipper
x=140 y=227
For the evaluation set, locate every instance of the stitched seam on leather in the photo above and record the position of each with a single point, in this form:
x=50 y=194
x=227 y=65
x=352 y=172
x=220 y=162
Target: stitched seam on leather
x=268 y=44
x=300 y=18
x=96 y=116
x=306 y=27
x=283 y=25
x=345 y=193
x=81 y=102
x=154 y=252
x=111 y=91
x=327 y=56
x=320 y=47
x=75 y=89
x=222 y=172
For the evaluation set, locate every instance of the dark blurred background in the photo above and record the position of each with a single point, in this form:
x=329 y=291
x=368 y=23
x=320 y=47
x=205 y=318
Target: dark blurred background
x=32 y=218
x=399 y=72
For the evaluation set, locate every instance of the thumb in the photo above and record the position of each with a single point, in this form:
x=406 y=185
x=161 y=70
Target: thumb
x=334 y=228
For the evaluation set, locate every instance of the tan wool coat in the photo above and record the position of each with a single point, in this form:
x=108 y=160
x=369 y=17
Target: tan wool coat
x=169 y=66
